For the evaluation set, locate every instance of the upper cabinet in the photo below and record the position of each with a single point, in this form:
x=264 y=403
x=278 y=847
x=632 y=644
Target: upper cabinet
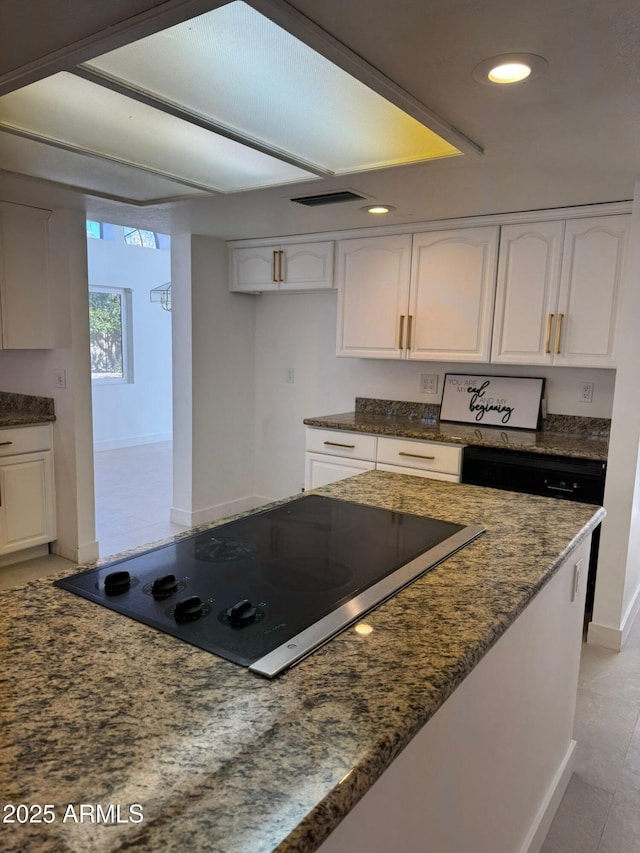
x=24 y=278
x=373 y=276
x=557 y=292
x=425 y=298
x=295 y=266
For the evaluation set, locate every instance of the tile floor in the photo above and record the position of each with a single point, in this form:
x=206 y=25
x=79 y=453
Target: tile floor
x=600 y=811
x=133 y=489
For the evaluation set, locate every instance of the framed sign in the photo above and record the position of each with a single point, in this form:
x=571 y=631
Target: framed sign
x=512 y=401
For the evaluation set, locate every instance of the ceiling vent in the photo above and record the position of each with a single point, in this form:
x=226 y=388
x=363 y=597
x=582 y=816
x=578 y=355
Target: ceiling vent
x=328 y=198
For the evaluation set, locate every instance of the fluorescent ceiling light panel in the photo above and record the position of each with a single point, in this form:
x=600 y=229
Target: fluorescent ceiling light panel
x=96 y=176
x=236 y=67
x=227 y=101
x=67 y=109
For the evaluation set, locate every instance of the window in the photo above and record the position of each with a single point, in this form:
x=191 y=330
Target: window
x=94 y=229
x=138 y=237
x=109 y=329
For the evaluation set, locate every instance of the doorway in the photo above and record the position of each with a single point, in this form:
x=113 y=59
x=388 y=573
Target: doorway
x=129 y=271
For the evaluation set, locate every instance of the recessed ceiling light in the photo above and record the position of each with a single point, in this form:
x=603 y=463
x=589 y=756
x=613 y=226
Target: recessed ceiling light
x=509 y=68
x=379 y=209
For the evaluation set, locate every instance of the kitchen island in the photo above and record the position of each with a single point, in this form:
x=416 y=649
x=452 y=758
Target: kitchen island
x=191 y=752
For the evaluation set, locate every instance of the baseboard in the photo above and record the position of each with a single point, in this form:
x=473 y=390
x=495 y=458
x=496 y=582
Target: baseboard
x=82 y=554
x=24 y=554
x=131 y=441
x=603 y=635
x=194 y=518
x=549 y=806
x=615 y=638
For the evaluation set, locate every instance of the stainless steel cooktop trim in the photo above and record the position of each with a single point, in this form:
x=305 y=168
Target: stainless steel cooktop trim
x=307 y=641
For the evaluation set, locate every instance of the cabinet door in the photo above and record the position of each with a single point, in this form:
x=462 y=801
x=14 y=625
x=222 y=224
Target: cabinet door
x=254 y=269
x=589 y=290
x=306 y=266
x=27 y=510
x=24 y=279
x=452 y=293
x=373 y=293
x=320 y=469
x=527 y=293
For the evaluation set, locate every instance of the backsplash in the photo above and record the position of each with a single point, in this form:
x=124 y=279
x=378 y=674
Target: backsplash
x=430 y=413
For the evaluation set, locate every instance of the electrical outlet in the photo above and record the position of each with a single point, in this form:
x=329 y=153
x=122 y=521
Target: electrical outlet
x=59 y=378
x=586 y=392
x=289 y=375
x=428 y=383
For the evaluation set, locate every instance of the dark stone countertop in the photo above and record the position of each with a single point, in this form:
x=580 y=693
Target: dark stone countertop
x=98 y=708
x=573 y=444
x=24 y=409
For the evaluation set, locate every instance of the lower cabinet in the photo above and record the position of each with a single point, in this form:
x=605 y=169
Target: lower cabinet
x=332 y=455
x=27 y=500
x=335 y=454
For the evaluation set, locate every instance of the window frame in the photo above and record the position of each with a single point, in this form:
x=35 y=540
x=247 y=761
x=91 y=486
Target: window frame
x=126 y=307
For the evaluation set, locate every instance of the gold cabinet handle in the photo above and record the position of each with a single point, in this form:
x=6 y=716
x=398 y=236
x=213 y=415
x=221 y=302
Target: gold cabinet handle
x=415 y=455
x=337 y=444
x=559 y=331
x=401 y=331
x=5 y=443
x=280 y=265
x=273 y=266
x=547 y=348
x=409 y=325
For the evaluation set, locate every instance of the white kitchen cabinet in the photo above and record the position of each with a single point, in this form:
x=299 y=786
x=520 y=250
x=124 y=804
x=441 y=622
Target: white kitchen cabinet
x=425 y=298
x=332 y=455
x=24 y=278
x=27 y=500
x=433 y=459
x=592 y=264
x=557 y=292
x=373 y=277
x=527 y=292
x=450 y=310
x=295 y=266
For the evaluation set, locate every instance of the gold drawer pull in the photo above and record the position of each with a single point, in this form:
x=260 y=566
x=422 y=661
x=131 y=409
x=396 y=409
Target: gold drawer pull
x=280 y=257
x=273 y=266
x=547 y=348
x=4 y=443
x=415 y=455
x=559 y=331
x=409 y=325
x=337 y=444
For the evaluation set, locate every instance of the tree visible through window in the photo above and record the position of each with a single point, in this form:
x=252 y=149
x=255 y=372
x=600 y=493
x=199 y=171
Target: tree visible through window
x=108 y=334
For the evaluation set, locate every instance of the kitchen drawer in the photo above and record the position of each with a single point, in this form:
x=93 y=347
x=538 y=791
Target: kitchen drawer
x=25 y=439
x=418 y=472
x=322 y=469
x=422 y=455
x=355 y=445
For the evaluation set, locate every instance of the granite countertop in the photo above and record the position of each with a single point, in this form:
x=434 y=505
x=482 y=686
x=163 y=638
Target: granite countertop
x=24 y=409
x=98 y=708
x=575 y=444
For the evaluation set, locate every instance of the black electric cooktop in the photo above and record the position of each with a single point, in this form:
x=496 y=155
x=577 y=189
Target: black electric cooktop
x=266 y=590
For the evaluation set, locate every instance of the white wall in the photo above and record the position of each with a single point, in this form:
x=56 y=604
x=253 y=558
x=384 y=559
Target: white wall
x=213 y=345
x=298 y=330
x=31 y=372
x=139 y=412
x=617 y=597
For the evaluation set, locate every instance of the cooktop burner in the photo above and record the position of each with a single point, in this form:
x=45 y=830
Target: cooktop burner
x=266 y=590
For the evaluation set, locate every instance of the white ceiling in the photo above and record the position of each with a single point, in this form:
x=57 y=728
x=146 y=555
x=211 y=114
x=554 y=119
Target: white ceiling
x=572 y=136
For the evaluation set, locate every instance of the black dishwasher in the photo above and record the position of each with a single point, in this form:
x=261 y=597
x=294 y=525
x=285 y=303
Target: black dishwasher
x=541 y=474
